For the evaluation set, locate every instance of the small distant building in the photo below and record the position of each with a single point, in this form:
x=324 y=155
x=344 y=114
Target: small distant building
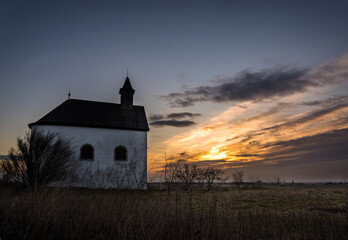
x=109 y=140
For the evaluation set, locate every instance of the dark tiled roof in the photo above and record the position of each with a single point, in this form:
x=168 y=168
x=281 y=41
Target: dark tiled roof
x=74 y=112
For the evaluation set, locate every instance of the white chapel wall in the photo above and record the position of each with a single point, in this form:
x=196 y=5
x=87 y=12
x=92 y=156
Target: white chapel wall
x=104 y=171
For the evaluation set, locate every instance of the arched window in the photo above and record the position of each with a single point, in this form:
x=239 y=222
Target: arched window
x=87 y=152
x=120 y=153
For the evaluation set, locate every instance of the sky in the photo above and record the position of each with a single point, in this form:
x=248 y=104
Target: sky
x=258 y=86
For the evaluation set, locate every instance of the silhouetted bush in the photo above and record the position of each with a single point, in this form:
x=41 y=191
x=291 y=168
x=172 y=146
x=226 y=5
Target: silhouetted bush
x=40 y=159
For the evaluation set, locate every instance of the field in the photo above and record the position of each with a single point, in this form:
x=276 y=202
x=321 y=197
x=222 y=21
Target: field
x=264 y=212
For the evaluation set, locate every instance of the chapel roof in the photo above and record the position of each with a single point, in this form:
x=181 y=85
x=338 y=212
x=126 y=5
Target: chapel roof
x=83 y=113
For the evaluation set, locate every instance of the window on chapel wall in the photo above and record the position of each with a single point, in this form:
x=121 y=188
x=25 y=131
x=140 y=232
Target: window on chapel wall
x=87 y=152
x=120 y=153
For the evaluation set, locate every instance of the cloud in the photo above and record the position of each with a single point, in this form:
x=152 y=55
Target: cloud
x=328 y=101
x=247 y=86
x=314 y=115
x=172 y=123
x=246 y=155
x=183 y=115
x=219 y=163
x=156 y=117
x=329 y=146
x=264 y=84
x=173 y=119
x=311 y=103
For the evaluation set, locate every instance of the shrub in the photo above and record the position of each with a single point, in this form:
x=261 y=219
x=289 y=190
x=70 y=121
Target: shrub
x=40 y=159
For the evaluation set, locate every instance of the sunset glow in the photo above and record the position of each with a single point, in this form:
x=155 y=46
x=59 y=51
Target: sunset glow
x=267 y=131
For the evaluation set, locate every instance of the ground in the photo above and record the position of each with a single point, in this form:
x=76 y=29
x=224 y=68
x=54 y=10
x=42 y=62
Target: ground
x=249 y=212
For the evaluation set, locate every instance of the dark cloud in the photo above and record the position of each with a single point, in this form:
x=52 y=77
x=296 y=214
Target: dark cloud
x=329 y=146
x=323 y=147
x=218 y=163
x=172 y=123
x=183 y=115
x=173 y=119
x=180 y=115
x=212 y=161
x=246 y=155
x=314 y=115
x=234 y=138
x=326 y=102
x=156 y=117
x=311 y=103
x=247 y=86
x=310 y=117
x=264 y=84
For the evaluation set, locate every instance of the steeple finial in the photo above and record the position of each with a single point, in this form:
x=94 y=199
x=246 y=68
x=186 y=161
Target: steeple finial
x=127 y=72
x=69 y=94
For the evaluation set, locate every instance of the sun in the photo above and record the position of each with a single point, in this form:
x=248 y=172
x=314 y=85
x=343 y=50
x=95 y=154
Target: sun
x=214 y=154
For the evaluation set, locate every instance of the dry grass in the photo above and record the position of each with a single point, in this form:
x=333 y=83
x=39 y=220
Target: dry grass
x=317 y=212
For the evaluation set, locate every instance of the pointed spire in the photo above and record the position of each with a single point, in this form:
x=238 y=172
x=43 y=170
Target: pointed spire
x=127 y=87
x=127 y=94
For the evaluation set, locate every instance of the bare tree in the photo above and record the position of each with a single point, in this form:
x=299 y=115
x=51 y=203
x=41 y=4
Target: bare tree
x=187 y=174
x=14 y=169
x=40 y=159
x=210 y=174
x=238 y=177
x=138 y=171
x=170 y=169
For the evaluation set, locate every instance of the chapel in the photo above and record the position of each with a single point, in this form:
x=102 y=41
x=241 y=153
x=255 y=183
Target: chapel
x=109 y=140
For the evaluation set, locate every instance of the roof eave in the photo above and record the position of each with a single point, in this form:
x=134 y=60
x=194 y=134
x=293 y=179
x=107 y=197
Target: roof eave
x=86 y=125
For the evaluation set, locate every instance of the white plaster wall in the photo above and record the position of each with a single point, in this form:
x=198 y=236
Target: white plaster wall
x=104 y=171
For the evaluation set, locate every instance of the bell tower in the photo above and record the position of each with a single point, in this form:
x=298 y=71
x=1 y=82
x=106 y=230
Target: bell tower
x=127 y=93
